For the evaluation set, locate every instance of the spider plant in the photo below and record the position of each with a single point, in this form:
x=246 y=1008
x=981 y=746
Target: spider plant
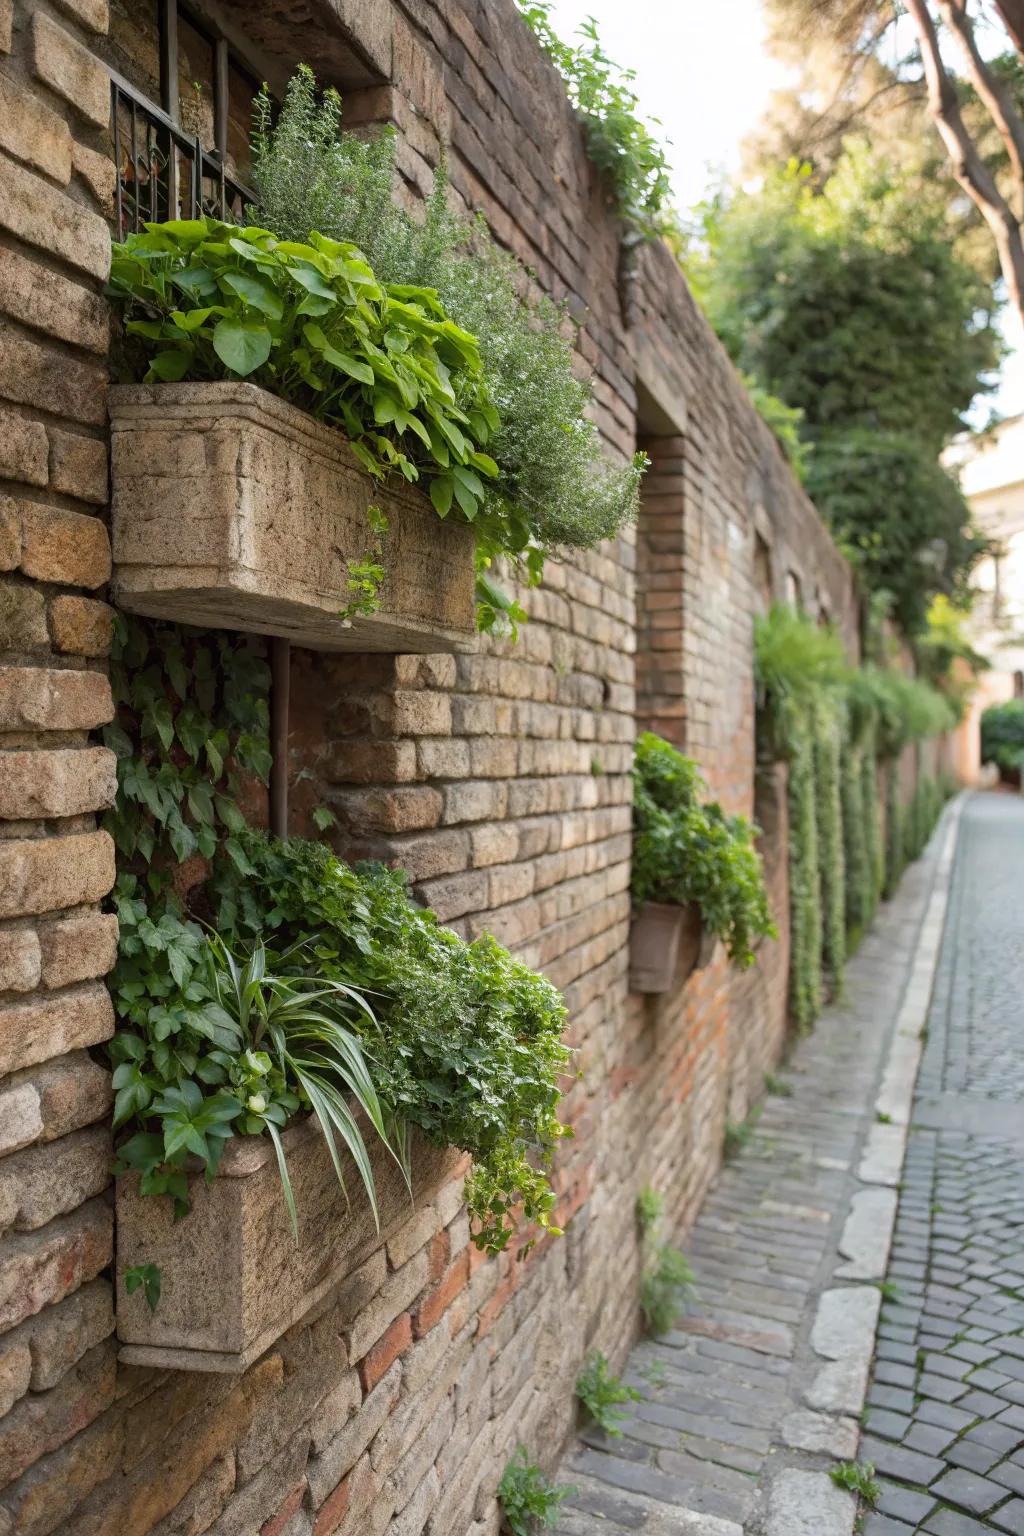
x=303 y=1024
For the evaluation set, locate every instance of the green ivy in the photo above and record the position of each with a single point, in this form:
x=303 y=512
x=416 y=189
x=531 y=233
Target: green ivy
x=686 y=848
x=192 y=726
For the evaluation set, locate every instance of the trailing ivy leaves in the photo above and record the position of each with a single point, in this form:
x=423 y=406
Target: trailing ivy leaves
x=148 y=1277
x=192 y=726
x=310 y=322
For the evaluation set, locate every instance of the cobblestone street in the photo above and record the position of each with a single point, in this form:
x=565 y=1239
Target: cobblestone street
x=945 y=1417
x=746 y=1406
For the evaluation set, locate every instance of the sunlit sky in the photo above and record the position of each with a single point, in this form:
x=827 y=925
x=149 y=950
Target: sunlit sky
x=704 y=72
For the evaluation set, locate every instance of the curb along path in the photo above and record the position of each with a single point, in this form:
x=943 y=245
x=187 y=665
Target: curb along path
x=745 y=1406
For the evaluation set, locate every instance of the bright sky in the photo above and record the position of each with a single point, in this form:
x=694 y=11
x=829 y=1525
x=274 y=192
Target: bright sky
x=704 y=72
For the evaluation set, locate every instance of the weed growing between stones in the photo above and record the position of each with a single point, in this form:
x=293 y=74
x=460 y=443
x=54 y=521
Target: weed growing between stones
x=527 y=1497
x=601 y=1393
x=666 y=1279
x=857 y=1477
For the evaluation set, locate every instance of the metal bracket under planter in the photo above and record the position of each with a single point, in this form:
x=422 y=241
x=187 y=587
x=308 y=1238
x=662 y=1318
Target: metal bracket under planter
x=233 y=1276
x=665 y=942
x=233 y=509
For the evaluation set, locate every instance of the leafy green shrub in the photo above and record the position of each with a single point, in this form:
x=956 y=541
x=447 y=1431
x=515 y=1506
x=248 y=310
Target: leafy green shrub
x=666 y=1279
x=268 y=1041
x=915 y=539
x=468 y=1041
x=311 y=323
x=1002 y=736
x=528 y=1499
x=861 y=894
x=795 y=660
x=686 y=849
x=553 y=485
x=602 y=1393
x=619 y=142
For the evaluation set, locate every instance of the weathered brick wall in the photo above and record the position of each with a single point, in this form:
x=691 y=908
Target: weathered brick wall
x=499 y=780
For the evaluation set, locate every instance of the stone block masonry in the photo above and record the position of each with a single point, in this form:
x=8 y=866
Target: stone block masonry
x=498 y=779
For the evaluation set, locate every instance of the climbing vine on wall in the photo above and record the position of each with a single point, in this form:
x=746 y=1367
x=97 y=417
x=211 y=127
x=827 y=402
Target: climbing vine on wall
x=827 y=737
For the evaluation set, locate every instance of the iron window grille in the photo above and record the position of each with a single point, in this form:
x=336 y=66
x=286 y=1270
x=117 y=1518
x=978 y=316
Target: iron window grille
x=164 y=171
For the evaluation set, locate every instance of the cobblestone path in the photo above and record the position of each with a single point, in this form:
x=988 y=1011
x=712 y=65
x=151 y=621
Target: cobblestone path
x=753 y=1397
x=945 y=1416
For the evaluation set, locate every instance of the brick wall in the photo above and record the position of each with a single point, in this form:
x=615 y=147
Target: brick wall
x=499 y=780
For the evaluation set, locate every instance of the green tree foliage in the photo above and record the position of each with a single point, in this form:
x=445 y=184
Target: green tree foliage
x=898 y=514
x=848 y=302
x=846 y=298
x=1002 y=736
x=685 y=848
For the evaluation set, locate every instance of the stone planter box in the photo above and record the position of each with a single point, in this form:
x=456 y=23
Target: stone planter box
x=665 y=946
x=233 y=1276
x=234 y=510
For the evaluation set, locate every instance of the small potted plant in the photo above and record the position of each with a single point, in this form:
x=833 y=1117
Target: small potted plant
x=696 y=874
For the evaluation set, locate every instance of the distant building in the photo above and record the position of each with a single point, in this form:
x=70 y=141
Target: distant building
x=992 y=476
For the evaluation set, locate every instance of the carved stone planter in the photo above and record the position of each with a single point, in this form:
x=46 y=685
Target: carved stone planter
x=233 y=1276
x=665 y=946
x=235 y=510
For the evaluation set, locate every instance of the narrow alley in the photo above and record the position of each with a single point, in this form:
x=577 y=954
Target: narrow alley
x=759 y=1393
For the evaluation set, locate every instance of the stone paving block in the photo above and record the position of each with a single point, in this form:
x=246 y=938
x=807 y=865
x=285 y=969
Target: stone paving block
x=968 y=1490
x=1010 y=1517
x=808 y=1504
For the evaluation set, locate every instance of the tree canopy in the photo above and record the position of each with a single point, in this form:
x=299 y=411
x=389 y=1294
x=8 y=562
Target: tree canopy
x=844 y=295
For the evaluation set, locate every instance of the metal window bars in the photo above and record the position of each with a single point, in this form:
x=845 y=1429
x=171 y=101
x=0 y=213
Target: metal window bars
x=163 y=172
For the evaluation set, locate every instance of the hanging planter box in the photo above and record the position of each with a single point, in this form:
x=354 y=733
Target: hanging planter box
x=233 y=1275
x=665 y=946
x=232 y=509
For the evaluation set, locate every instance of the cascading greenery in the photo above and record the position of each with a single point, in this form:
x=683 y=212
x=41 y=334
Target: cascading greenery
x=804 y=884
x=258 y=979
x=839 y=727
x=827 y=752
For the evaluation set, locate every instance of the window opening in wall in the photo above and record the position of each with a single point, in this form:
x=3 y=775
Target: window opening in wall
x=187 y=155
x=1018 y=685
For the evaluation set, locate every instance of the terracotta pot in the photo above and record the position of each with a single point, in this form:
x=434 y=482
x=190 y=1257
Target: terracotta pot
x=664 y=946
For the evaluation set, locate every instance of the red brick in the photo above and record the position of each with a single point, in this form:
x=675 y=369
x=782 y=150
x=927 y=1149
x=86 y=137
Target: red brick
x=291 y=1506
x=332 y=1511
x=434 y=1306
x=386 y=1351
